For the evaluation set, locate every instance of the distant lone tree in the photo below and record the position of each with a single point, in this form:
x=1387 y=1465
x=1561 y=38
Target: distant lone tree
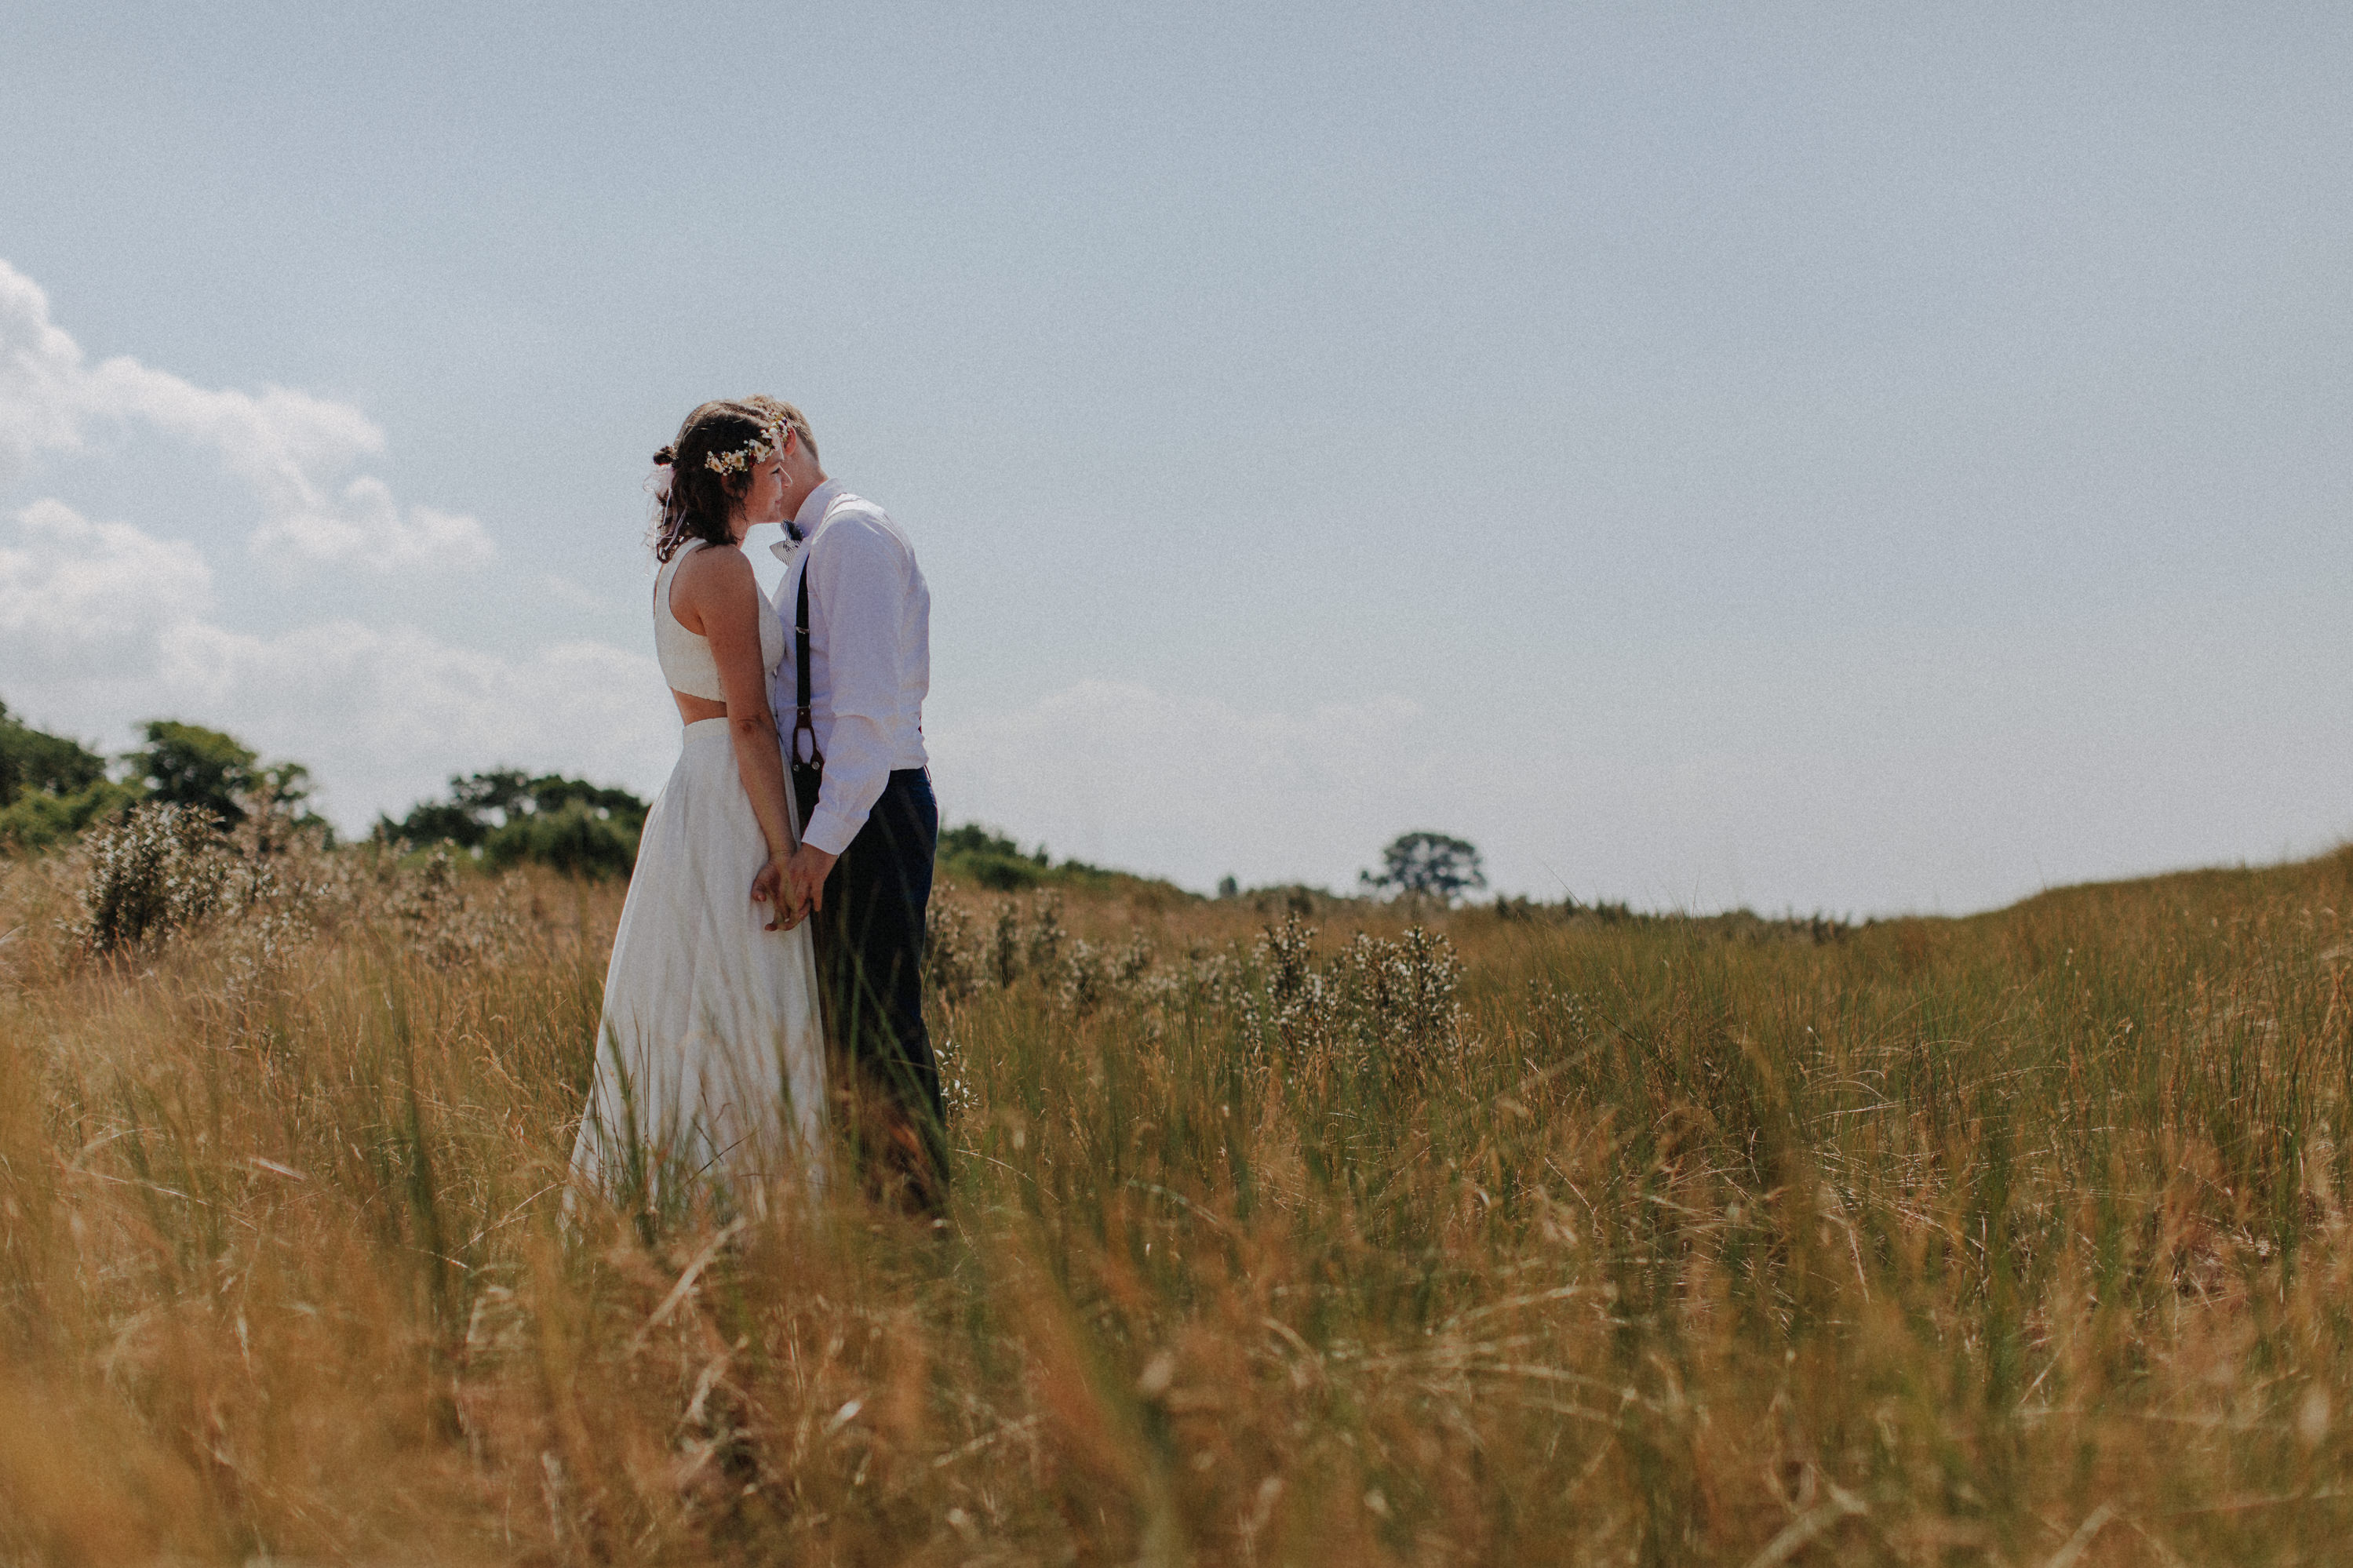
x=1431 y=864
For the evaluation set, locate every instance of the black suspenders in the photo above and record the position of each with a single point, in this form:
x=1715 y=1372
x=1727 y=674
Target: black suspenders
x=809 y=777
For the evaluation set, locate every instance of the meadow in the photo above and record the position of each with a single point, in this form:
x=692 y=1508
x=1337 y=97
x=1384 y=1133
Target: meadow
x=1284 y=1230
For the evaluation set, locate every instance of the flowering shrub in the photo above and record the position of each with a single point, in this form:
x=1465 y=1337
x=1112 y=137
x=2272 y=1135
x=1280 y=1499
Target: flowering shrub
x=165 y=866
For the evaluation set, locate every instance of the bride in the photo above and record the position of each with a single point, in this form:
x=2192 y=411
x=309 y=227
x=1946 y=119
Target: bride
x=710 y=1063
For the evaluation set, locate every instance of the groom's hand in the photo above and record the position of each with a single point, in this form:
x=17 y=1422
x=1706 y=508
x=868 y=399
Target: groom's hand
x=808 y=869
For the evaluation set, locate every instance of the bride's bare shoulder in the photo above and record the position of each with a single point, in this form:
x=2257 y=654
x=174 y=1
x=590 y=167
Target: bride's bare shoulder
x=715 y=581
x=714 y=564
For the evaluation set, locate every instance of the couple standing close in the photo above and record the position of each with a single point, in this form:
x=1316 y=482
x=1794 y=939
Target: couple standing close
x=781 y=881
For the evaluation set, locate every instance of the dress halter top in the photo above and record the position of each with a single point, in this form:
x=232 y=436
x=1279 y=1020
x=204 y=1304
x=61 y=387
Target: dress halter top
x=685 y=657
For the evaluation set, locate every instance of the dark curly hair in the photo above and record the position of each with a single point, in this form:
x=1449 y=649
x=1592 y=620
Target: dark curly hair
x=701 y=499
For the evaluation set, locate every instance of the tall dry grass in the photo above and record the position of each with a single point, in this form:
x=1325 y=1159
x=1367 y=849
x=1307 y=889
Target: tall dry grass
x=2017 y=1239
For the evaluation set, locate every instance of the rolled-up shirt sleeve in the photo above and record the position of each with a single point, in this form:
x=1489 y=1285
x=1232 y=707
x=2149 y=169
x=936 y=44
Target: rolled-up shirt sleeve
x=857 y=584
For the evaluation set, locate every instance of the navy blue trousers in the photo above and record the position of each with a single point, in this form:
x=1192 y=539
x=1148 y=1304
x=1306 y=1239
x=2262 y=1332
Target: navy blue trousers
x=870 y=950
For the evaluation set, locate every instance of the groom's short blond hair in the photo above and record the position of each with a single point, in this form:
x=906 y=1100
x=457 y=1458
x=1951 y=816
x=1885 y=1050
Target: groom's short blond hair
x=784 y=413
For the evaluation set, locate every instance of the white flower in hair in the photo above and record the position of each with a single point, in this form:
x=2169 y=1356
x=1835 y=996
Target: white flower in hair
x=770 y=443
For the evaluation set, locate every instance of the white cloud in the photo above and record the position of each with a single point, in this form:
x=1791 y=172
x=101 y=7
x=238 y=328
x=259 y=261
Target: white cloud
x=83 y=601
x=388 y=714
x=367 y=528
x=564 y=591
x=40 y=369
x=1188 y=787
x=103 y=625
x=294 y=449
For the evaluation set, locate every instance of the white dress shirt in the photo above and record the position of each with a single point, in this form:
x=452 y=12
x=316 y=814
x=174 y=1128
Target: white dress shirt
x=870 y=654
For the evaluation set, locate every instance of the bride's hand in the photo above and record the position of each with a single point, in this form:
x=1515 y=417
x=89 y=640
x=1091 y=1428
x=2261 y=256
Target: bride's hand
x=772 y=887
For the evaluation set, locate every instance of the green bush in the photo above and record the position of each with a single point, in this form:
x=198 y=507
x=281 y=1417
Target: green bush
x=506 y=816
x=50 y=787
x=36 y=818
x=989 y=859
x=573 y=839
x=35 y=760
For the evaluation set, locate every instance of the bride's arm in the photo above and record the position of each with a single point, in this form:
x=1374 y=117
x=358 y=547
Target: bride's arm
x=726 y=596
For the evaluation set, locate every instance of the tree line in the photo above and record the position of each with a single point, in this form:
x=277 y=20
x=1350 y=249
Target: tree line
x=52 y=788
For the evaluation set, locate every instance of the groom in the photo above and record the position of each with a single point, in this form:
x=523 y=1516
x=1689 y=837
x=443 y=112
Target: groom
x=864 y=864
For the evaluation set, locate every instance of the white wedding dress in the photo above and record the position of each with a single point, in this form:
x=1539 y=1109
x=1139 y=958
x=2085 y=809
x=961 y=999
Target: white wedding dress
x=710 y=1057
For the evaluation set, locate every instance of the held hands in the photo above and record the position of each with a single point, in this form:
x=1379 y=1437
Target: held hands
x=773 y=886
x=808 y=870
x=792 y=886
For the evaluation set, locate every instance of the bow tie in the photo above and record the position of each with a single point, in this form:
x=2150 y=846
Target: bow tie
x=785 y=549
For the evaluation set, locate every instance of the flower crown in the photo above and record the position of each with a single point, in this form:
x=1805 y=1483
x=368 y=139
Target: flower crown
x=771 y=439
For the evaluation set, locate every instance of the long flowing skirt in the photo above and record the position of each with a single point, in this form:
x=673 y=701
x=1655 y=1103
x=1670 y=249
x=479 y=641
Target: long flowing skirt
x=710 y=1059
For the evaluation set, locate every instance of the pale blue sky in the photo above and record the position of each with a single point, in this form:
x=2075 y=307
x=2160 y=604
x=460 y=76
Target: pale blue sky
x=1825 y=457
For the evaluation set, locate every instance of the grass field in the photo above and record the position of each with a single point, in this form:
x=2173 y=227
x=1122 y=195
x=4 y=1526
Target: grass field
x=2017 y=1239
